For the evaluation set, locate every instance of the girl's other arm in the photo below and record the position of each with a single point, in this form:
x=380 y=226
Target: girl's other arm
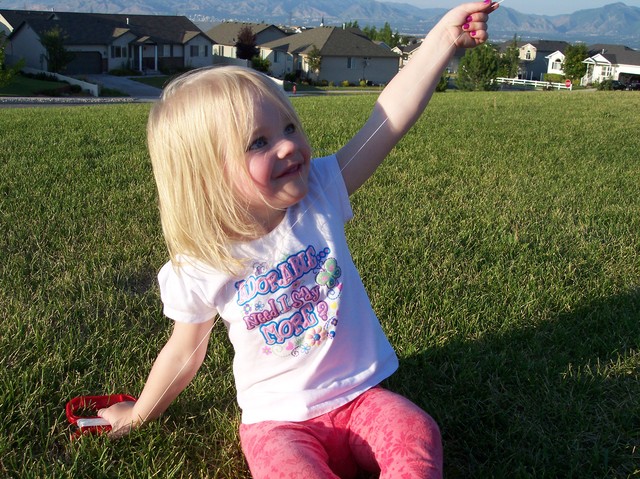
x=174 y=368
x=406 y=96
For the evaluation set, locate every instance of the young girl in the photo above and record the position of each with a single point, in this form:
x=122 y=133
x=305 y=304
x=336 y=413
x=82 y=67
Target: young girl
x=255 y=232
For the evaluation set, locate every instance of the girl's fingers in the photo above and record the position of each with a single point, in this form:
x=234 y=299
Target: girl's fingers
x=474 y=27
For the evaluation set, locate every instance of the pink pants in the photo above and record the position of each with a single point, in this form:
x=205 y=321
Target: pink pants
x=379 y=431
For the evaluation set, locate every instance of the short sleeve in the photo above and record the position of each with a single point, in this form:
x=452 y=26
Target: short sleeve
x=186 y=296
x=326 y=172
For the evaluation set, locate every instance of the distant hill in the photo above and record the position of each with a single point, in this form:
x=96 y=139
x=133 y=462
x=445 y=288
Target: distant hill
x=614 y=23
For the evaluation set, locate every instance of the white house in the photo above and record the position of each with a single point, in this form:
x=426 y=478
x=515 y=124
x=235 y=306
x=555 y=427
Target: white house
x=611 y=62
x=555 y=63
x=103 y=42
x=346 y=55
x=536 y=57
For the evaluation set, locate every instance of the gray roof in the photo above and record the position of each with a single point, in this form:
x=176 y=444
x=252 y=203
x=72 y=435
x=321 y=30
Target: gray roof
x=226 y=33
x=332 y=42
x=102 y=28
x=542 y=46
x=616 y=54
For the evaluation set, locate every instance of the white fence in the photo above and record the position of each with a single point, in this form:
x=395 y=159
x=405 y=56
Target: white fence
x=535 y=84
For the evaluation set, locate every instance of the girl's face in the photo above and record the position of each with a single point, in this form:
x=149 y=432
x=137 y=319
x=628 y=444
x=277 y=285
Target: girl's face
x=278 y=160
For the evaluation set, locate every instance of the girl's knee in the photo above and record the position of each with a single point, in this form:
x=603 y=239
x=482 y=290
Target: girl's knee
x=283 y=450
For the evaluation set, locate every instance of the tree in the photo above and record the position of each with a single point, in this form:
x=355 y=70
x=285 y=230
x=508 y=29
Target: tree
x=385 y=35
x=314 y=60
x=246 y=44
x=443 y=83
x=7 y=73
x=573 y=67
x=510 y=60
x=58 y=57
x=370 y=32
x=478 y=69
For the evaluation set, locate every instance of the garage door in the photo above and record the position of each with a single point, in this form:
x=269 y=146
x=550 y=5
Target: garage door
x=84 y=62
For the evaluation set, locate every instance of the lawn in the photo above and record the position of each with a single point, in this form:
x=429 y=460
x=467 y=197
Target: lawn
x=500 y=245
x=24 y=86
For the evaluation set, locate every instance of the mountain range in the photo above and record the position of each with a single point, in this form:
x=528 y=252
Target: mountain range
x=614 y=23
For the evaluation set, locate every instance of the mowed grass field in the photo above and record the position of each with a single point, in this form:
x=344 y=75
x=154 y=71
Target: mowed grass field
x=499 y=243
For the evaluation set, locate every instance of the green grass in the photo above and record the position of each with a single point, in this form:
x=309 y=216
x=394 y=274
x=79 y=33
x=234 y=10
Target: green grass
x=499 y=243
x=24 y=86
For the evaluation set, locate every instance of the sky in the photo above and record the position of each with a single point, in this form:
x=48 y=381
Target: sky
x=538 y=7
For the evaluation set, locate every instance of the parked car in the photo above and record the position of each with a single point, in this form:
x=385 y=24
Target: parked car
x=634 y=85
x=617 y=85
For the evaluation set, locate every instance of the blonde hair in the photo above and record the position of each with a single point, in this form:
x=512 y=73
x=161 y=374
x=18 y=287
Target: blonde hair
x=198 y=134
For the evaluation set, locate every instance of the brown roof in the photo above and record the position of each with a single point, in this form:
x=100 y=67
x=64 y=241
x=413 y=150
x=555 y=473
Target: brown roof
x=331 y=41
x=226 y=33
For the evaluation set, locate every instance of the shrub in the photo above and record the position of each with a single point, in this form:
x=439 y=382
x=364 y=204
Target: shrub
x=124 y=72
x=554 y=77
x=260 y=64
x=344 y=83
x=604 y=85
x=40 y=76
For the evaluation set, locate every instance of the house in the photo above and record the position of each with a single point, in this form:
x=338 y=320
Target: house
x=406 y=51
x=346 y=55
x=555 y=63
x=104 y=42
x=225 y=35
x=535 y=57
x=611 y=62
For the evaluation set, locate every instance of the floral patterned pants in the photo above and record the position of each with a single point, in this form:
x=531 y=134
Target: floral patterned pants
x=378 y=432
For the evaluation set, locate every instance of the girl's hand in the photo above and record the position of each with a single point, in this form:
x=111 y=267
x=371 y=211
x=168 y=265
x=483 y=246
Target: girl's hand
x=467 y=23
x=121 y=418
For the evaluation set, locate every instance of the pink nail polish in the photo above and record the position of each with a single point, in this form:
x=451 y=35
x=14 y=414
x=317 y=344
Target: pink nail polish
x=469 y=18
x=465 y=26
x=487 y=1
x=473 y=34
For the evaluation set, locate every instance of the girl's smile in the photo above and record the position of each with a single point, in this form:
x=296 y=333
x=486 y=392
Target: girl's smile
x=278 y=158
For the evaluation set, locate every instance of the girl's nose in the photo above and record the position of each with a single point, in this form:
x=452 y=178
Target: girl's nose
x=286 y=147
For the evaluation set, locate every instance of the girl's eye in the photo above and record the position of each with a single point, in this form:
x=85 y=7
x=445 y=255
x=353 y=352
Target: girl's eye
x=290 y=128
x=258 y=143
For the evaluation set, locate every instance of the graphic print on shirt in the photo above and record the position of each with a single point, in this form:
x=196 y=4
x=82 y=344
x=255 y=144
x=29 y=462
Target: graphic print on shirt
x=294 y=306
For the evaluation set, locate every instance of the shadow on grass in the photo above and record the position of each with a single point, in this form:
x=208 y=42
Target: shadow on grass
x=558 y=399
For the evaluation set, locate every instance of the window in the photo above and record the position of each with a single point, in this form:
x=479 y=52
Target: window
x=276 y=56
x=607 y=72
x=194 y=51
x=557 y=64
x=351 y=63
x=206 y=51
x=118 y=51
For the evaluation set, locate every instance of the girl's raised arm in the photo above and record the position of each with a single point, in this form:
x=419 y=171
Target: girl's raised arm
x=406 y=96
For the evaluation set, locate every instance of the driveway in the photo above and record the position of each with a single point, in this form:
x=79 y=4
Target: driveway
x=135 y=89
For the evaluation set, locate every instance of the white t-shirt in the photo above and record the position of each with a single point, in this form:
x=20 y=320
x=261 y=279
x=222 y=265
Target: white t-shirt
x=305 y=336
